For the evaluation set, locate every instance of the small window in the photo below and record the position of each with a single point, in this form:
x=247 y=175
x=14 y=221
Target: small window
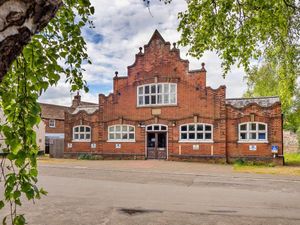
x=196 y=132
x=82 y=133
x=52 y=123
x=252 y=132
x=121 y=133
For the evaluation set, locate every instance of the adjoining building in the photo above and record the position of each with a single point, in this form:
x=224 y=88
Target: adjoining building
x=163 y=110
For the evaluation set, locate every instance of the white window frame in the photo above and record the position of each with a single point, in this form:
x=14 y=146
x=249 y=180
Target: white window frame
x=79 y=133
x=113 y=131
x=52 y=121
x=156 y=94
x=256 y=132
x=196 y=132
x=161 y=128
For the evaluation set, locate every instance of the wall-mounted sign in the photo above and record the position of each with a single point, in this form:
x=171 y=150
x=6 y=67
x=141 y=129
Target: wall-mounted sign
x=93 y=145
x=275 y=148
x=195 y=147
x=118 y=145
x=252 y=147
x=69 y=145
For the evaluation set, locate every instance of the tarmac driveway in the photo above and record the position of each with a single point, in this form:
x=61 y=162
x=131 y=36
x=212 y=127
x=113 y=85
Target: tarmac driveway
x=160 y=192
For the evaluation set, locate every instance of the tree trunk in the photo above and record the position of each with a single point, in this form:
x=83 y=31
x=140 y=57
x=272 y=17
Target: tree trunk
x=19 y=20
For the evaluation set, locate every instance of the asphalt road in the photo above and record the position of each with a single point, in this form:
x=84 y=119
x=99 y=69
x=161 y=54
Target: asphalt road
x=160 y=192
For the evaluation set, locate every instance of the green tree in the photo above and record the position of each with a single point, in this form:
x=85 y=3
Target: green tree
x=264 y=81
x=58 y=50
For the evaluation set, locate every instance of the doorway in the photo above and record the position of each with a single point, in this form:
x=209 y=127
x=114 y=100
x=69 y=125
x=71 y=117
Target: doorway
x=157 y=142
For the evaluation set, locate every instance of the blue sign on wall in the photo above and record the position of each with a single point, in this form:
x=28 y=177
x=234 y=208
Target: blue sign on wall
x=275 y=148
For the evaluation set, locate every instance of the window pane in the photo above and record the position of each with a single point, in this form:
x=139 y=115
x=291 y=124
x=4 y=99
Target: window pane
x=81 y=136
x=141 y=98
x=173 y=88
x=191 y=127
x=118 y=128
x=243 y=127
x=76 y=129
x=262 y=136
x=156 y=127
x=111 y=136
x=163 y=128
x=184 y=136
x=191 y=135
x=199 y=127
x=159 y=88
x=253 y=126
x=243 y=136
x=88 y=136
x=149 y=128
x=140 y=90
x=87 y=129
x=184 y=128
x=153 y=99
x=76 y=136
x=166 y=88
x=81 y=129
x=131 y=128
x=153 y=89
x=261 y=127
x=118 y=136
x=173 y=98
x=147 y=98
x=199 y=136
x=207 y=127
x=124 y=128
x=131 y=136
x=159 y=99
x=166 y=99
x=252 y=136
x=208 y=136
x=125 y=136
x=146 y=89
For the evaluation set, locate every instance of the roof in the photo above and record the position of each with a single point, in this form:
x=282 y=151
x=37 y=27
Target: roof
x=89 y=109
x=50 y=111
x=261 y=101
x=87 y=103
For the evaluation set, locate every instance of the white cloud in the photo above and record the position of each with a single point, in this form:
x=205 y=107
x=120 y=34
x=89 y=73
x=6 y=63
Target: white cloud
x=125 y=26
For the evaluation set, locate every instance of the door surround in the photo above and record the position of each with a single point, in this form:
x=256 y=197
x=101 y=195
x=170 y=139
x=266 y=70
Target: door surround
x=152 y=128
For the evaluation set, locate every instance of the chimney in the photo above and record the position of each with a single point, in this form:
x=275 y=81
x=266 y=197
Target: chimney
x=76 y=101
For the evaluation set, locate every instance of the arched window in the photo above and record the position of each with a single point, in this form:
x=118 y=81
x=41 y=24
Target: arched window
x=196 y=132
x=121 y=133
x=253 y=132
x=82 y=133
x=157 y=94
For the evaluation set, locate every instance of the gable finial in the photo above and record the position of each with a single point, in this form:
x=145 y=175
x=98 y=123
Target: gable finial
x=203 y=67
x=174 y=45
x=140 y=48
x=116 y=73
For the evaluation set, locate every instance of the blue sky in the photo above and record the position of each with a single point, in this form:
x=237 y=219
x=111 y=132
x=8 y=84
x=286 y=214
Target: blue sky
x=122 y=26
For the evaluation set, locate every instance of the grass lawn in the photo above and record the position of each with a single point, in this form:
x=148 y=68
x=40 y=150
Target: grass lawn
x=292 y=167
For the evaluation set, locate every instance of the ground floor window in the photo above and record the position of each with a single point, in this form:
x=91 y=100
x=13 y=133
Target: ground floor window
x=121 y=133
x=82 y=133
x=252 y=131
x=196 y=132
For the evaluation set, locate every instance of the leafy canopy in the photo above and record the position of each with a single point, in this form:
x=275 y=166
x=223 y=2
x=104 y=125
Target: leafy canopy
x=59 y=50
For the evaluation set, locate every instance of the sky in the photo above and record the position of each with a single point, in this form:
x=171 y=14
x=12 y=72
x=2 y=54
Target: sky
x=121 y=27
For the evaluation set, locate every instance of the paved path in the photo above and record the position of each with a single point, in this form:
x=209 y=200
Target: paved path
x=161 y=192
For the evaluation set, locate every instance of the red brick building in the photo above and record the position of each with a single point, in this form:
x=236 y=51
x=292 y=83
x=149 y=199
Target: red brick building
x=163 y=110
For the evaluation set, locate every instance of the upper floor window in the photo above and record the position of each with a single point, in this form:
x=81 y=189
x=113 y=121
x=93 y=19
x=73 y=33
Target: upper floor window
x=157 y=94
x=82 y=133
x=52 y=123
x=196 y=132
x=253 y=131
x=121 y=133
